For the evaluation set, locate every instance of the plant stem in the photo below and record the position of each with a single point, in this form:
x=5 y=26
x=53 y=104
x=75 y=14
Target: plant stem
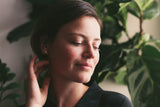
x=1 y=92
x=141 y=23
x=126 y=32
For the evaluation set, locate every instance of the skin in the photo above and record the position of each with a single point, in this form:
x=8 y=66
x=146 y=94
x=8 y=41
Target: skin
x=36 y=96
x=72 y=59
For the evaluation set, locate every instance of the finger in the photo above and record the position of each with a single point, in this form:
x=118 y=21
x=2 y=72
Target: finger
x=43 y=69
x=31 y=67
x=40 y=67
x=45 y=85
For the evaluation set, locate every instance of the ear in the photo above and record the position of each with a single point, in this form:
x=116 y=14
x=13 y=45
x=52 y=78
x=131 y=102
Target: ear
x=44 y=45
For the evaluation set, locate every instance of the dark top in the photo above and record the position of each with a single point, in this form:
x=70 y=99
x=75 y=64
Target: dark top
x=96 y=97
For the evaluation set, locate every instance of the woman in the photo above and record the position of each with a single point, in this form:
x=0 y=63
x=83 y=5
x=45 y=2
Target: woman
x=66 y=39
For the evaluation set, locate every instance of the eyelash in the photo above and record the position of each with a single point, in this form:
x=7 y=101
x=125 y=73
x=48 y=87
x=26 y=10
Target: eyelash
x=77 y=44
x=97 y=48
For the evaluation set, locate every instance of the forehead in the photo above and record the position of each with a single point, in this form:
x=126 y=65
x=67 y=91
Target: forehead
x=86 y=26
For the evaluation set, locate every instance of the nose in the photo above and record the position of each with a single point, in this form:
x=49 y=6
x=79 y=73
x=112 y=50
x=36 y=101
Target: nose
x=88 y=52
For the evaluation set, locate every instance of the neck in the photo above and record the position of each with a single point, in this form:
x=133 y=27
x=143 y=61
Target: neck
x=68 y=93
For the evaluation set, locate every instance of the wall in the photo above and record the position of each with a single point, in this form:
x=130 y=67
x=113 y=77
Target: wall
x=14 y=13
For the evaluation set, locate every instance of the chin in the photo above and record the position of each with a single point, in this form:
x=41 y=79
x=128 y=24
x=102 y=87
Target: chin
x=83 y=79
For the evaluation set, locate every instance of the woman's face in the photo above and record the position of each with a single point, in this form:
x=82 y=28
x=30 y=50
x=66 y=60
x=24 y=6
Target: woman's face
x=75 y=51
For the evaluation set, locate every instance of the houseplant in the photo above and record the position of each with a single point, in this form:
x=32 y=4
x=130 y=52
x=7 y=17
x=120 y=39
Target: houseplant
x=6 y=84
x=138 y=58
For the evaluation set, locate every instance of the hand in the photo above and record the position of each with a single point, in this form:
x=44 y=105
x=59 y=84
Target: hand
x=36 y=96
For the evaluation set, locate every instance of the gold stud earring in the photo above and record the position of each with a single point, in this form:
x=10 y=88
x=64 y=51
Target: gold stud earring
x=45 y=52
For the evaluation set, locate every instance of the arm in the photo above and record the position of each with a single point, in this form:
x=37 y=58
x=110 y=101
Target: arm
x=36 y=96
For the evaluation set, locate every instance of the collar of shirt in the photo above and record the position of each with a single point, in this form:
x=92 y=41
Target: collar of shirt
x=90 y=99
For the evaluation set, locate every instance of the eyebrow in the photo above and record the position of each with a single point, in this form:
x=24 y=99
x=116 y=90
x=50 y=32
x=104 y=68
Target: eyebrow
x=83 y=36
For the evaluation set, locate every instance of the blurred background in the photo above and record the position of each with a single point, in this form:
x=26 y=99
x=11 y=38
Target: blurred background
x=17 y=54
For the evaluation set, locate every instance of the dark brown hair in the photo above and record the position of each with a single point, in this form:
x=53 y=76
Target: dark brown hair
x=57 y=15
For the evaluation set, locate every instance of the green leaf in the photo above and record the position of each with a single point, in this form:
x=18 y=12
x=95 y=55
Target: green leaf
x=21 y=31
x=111 y=59
x=101 y=76
x=133 y=9
x=122 y=1
x=4 y=70
x=143 y=4
x=112 y=9
x=122 y=17
x=139 y=40
x=11 y=96
x=120 y=78
x=147 y=8
x=111 y=28
x=157 y=43
x=137 y=79
x=10 y=76
x=143 y=80
x=123 y=6
x=11 y=86
x=99 y=9
x=151 y=56
x=15 y=103
x=117 y=1
x=152 y=11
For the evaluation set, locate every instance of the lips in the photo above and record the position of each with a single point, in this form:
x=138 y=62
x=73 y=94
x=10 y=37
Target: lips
x=85 y=66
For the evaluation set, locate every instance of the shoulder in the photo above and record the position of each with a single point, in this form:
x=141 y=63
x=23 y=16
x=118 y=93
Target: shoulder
x=114 y=99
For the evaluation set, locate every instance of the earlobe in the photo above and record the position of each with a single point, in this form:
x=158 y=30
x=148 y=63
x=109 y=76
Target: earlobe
x=44 y=49
x=44 y=45
x=45 y=52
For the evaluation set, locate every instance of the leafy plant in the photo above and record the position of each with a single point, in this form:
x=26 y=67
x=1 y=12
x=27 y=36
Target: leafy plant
x=5 y=85
x=136 y=61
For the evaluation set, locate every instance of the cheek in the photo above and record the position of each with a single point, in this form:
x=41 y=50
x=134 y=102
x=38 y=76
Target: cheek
x=96 y=60
x=64 y=55
x=69 y=54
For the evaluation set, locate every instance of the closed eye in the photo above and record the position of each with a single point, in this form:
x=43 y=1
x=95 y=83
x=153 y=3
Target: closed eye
x=76 y=43
x=96 y=48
